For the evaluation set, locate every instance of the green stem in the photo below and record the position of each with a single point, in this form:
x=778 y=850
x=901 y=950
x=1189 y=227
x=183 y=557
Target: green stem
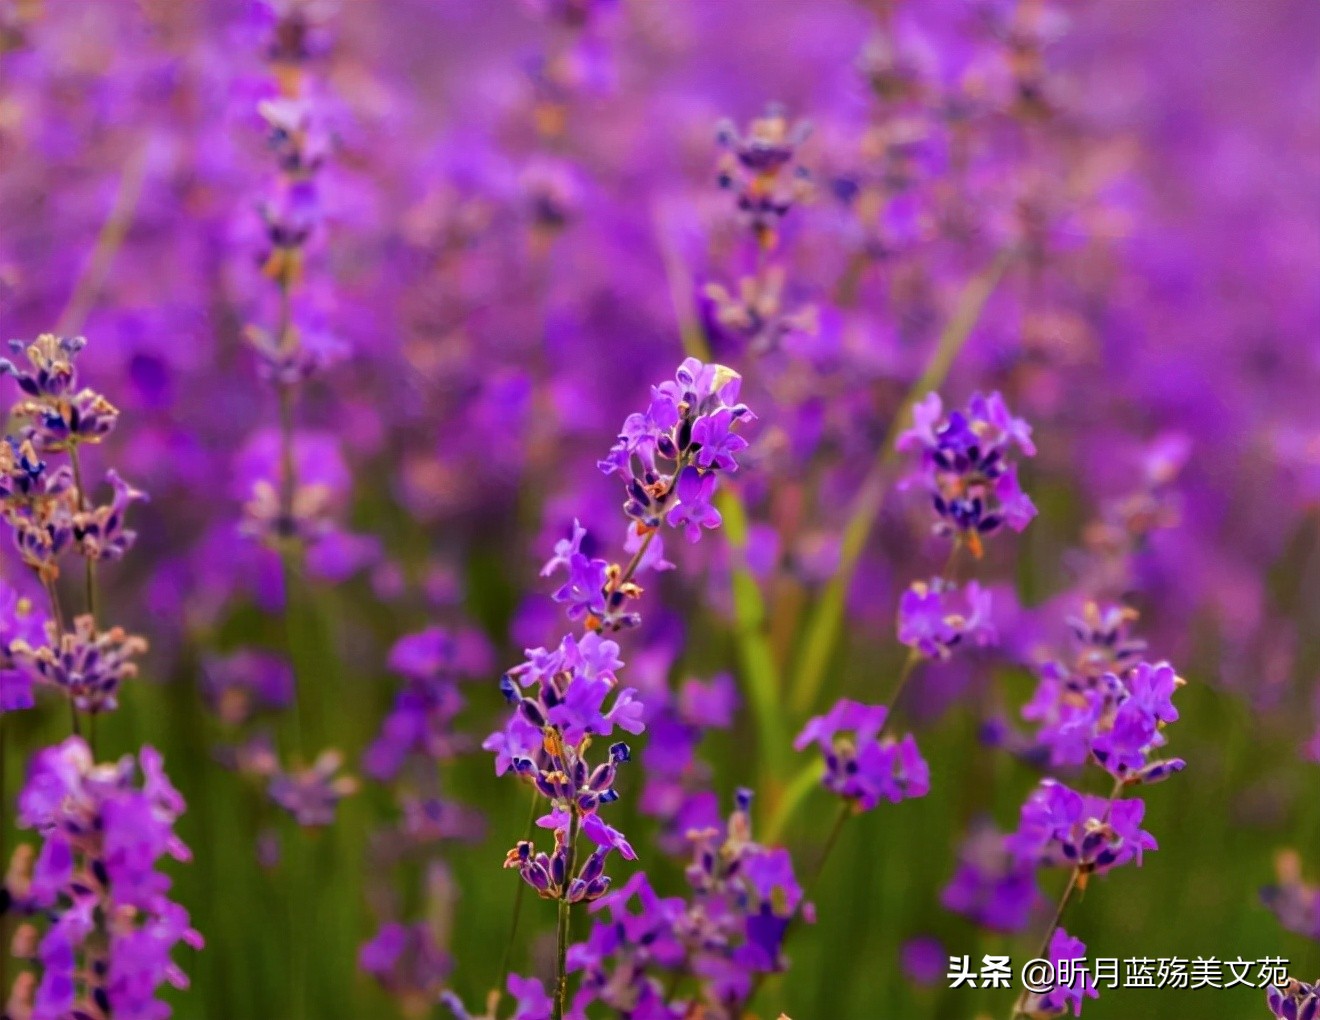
x=794 y=794
x=826 y=620
x=561 y=927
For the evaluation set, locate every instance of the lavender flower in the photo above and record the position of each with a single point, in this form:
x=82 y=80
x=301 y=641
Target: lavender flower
x=932 y=623
x=1060 y=827
x=863 y=767
x=110 y=927
x=758 y=168
x=964 y=465
x=991 y=886
x=1294 y=902
x=86 y=664
x=1294 y=1000
x=1072 y=983
x=728 y=931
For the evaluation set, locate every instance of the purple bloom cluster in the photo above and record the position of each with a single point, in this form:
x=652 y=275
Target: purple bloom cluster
x=966 y=468
x=408 y=961
x=677 y=782
x=46 y=506
x=935 y=617
x=530 y=1002
x=861 y=765
x=1108 y=705
x=992 y=886
x=1066 y=995
x=1060 y=827
x=729 y=929
x=1294 y=902
x=1295 y=1000
x=669 y=457
x=109 y=926
x=759 y=167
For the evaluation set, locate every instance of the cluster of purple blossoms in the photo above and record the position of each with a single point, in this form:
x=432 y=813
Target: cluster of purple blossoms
x=433 y=663
x=966 y=468
x=1068 y=991
x=936 y=617
x=727 y=932
x=1294 y=901
x=1295 y=1000
x=239 y=686
x=86 y=664
x=106 y=925
x=530 y=1002
x=677 y=787
x=861 y=765
x=760 y=169
x=992 y=886
x=50 y=512
x=408 y=962
x=1060 y=827
x=46 y=506
x=1108 y=705
x=669 y=458
x=560 y=700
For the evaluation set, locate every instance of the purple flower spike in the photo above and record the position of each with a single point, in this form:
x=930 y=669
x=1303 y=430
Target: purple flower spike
x=861 y=766
x=934 y=618
x=964 y=466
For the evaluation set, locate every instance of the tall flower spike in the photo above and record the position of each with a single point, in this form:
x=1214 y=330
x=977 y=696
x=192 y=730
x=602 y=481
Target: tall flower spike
x=566 y=698
x=101 y=927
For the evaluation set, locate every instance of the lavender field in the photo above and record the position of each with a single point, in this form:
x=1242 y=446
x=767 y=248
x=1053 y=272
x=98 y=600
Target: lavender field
x=660 y=509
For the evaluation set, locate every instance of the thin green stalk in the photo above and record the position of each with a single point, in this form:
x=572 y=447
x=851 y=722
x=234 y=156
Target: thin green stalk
x=794 y=794
x=561 y=926
x=826 y=621
x=760 y=675
x=1044 y=948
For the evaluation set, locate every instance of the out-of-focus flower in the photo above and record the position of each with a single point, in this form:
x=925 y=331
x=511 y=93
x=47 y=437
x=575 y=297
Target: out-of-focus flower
x=936 y=617
x=861 y=766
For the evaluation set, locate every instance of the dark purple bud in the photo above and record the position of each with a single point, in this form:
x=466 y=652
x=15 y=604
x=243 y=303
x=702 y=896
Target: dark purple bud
x=532 y=711
x=602 y=778
x=594 y=866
